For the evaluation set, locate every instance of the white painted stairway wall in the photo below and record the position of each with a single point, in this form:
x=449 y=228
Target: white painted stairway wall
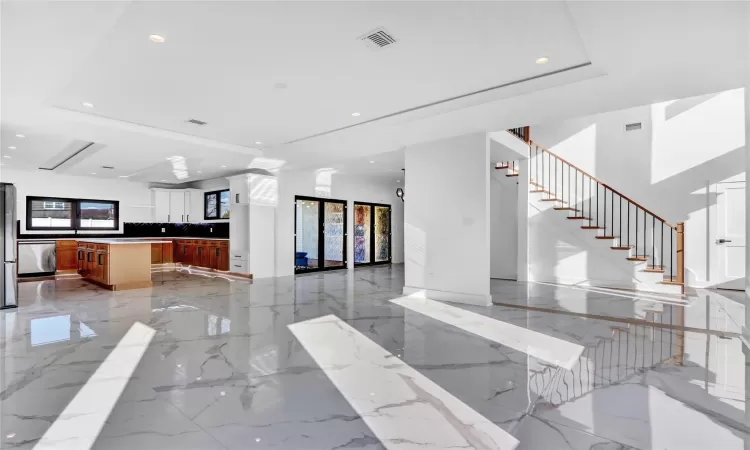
x=561 y=251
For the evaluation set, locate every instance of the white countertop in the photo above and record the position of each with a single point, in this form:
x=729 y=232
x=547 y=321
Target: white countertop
x=83 y=238
x=123 y=241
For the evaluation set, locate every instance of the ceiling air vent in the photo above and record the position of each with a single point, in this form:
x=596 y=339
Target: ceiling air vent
x=377 y=39
x=200 y=123
x=633 y=126
x=108 y=167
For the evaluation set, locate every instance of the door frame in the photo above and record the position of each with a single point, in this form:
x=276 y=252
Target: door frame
x=321 y=233
x=372 y=234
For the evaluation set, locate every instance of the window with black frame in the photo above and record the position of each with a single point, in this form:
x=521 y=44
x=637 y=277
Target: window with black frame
x=51 y=213
x=216 y=205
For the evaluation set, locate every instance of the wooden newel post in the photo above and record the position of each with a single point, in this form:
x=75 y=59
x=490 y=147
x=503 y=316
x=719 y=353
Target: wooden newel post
x=681 y=254
x=526 y=135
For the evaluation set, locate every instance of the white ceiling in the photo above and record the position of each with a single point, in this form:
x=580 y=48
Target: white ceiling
x=221 y=63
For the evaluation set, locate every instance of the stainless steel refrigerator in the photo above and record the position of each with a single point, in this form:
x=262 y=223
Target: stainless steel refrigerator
x=8 y=225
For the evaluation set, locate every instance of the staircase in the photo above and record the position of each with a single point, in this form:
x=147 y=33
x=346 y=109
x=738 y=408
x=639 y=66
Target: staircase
x=650 y=243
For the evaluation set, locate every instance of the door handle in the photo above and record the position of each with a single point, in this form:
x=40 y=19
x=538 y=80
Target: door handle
x=723 y=241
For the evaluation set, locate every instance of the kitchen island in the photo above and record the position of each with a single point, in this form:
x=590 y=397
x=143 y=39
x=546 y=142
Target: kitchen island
x=116 y=264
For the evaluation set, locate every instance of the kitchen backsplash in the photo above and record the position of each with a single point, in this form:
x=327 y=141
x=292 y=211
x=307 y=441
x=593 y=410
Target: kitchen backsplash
x=219 y=230
x=151 y=229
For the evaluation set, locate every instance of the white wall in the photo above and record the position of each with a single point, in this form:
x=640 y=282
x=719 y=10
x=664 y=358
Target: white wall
x=134 y=198
x=447 y=219
x=671 y=166
x=503 y=225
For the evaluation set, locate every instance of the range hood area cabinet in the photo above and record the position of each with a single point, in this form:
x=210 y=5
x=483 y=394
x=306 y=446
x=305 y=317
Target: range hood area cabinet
x=177 y=205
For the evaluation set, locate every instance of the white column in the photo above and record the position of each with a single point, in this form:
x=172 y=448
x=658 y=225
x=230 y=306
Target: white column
x=523 y=220
x=447 y=220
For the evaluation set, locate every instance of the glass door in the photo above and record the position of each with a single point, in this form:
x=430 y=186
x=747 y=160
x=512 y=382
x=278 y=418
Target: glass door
x=320 y=234
x=372 y=233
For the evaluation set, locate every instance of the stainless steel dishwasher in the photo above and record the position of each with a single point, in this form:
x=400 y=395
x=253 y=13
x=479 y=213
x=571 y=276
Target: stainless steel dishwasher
x=36 y=258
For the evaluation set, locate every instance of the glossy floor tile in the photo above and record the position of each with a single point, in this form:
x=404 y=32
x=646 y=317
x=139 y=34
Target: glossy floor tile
x=290 y=363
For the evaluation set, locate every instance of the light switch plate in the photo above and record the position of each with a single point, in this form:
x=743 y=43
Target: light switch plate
x=212 y=230
x=163 y=230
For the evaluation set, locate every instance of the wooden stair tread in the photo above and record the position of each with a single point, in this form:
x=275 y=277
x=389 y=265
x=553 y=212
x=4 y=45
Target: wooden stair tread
x=579 y=218
x=540 y=191
x=550 y=200
x=589 y=227
x=648 y=269
x=638 y=258
x=606 y=237
x=564 y=208
x=511 y=174
x=624 y=247
x=502 y=167
x=672 y=282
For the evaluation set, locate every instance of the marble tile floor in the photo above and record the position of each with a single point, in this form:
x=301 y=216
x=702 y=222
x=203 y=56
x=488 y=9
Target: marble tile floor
x=333 y=361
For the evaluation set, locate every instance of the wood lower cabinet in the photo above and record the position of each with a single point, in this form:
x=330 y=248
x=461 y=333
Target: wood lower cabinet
x=157 y=254
x=222 y=258
x=66 y=255
x=208 y=253
x=167 y=252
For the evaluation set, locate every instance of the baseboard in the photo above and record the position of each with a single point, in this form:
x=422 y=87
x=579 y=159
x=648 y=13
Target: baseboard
x=446 y=296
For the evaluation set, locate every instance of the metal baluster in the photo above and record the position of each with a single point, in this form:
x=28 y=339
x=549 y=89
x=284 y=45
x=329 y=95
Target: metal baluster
x=636 y=231
x=569 y=202
x=597 y=203
x=661 y=245
x=590 y=218
x=620 y=217
x=576 y=185
x=645 y=236
x=605 y=209
x=613 y=215
x=653 y=240
x=628 y=223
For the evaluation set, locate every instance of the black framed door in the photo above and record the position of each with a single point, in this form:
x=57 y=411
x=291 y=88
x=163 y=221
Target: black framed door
x=319 y=235
x=372 y=233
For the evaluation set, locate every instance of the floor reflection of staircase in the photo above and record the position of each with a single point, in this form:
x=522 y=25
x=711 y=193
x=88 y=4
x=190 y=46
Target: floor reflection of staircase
x=615 y=359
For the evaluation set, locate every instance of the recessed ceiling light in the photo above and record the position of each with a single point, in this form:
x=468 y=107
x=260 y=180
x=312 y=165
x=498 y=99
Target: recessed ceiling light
x=124 y=176
x=6 y=156
x=93 y=173
x=164 y=181
x=398 y=181
x=20 y=136
x=542 y=60
x=156 y=38
x=258 y=143
x=355 y=114
x=10 y=435
x=223 y=167
x=372 y=162
x=11 y=148
x=87 y=104
x=199 y=171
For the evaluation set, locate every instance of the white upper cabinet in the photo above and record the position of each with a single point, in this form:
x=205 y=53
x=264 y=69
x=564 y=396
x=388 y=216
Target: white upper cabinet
x=160 y=202
x=177 y=205
x=194 y=205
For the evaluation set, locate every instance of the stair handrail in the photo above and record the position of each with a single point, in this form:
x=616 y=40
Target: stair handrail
x=602 y=183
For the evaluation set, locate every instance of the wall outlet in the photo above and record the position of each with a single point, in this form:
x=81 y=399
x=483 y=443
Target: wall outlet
x=163 y=230
x=211 y=230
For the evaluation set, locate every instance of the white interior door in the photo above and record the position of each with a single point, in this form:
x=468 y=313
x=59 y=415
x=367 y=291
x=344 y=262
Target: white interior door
x=730 y=235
